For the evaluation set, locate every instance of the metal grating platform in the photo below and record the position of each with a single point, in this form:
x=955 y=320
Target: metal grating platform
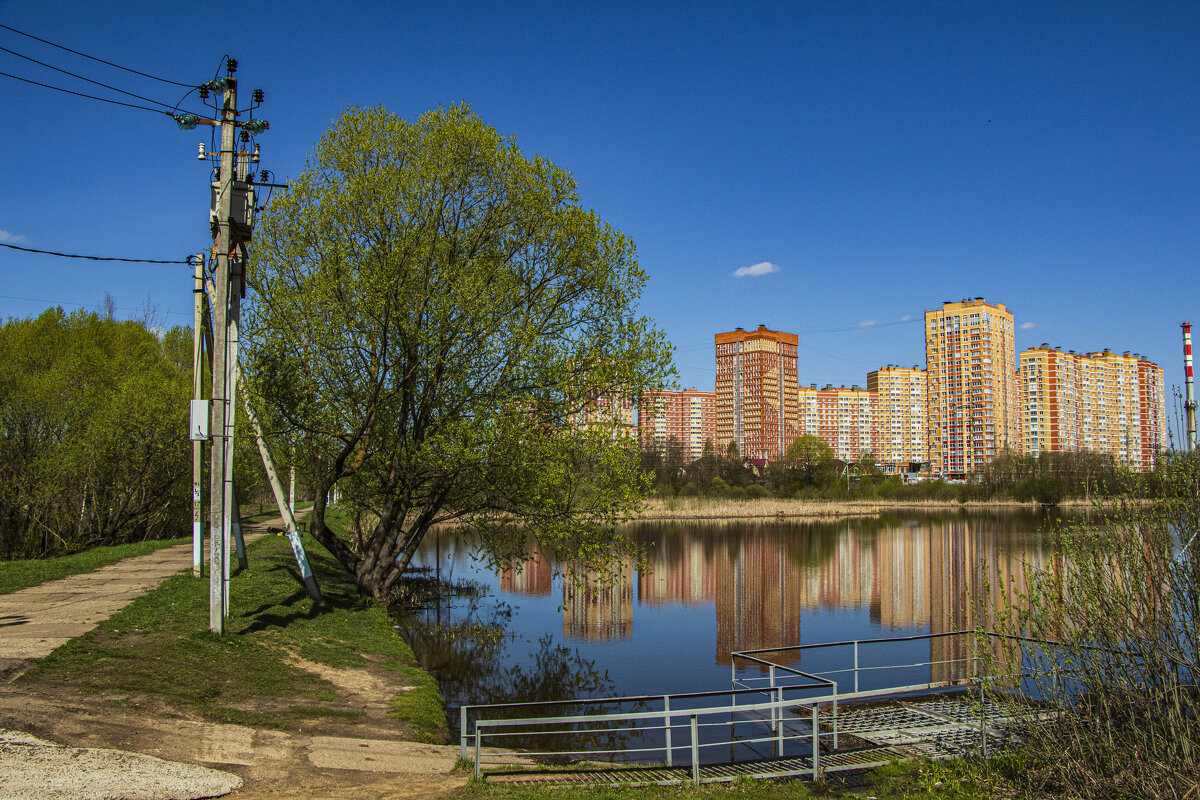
x=937 y=727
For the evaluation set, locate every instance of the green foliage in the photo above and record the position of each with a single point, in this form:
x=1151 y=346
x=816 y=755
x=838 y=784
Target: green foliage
x=431 y=310
x=1122 y=599
x=23 y=573
x=93 y=433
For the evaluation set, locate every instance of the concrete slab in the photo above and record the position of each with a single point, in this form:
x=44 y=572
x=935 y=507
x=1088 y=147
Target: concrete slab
x=379 y=755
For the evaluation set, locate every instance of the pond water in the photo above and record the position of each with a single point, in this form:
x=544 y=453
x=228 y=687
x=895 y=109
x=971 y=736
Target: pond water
x=713 y=588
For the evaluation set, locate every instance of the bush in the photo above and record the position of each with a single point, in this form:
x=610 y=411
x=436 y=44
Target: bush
x=1122 y=598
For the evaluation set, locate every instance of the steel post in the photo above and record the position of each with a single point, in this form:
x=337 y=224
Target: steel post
x=816 y=742
x=695 y=752
x=462 y=732
x=667 y=723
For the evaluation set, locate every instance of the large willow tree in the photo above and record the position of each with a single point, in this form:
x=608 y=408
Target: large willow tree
x=430 y=312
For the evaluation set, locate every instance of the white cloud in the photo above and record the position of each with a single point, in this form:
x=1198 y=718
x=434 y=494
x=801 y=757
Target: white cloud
x=906 y=318
x=12 y=238
x=867 y=323
x=753 y=271
x=1027 y=325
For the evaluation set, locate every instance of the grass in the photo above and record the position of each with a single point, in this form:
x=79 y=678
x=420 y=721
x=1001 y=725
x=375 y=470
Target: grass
x=930 y=780
x=23 y=573
x=159 y=648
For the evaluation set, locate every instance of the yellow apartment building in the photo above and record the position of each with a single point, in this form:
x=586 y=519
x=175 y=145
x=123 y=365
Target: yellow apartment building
x=972 y=397
x=1103 y=402
x=845 y=418
x=902 y=429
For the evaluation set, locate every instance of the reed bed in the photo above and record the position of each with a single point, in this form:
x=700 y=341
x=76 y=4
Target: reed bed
x=774 y=508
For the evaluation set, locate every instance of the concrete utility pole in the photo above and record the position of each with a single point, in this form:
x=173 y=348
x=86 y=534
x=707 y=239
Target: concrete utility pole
x=226 y=285
x=197 y=411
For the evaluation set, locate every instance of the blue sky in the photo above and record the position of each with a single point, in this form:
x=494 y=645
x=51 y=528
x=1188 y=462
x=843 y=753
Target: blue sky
x=884 y=156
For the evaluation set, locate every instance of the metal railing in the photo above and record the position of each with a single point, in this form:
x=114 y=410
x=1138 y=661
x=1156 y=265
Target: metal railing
x=478 y=730
x=785 y=707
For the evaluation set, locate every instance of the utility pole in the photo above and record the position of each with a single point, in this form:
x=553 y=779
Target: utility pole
x=222 y=206
x=198 y=413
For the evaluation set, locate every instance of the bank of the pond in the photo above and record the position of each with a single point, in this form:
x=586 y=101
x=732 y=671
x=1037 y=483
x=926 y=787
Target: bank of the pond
x=709 y=508
x=298 y=698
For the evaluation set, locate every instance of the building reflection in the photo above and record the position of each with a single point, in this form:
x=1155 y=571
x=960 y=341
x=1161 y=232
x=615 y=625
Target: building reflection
x=533 y=576
x=599 y=604
x=935 y=575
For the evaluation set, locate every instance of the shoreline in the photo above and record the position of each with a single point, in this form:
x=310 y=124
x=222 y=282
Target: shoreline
x=690 y=508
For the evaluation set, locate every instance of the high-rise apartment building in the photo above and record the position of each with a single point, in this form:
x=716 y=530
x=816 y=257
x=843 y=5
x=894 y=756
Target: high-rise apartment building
x=614 y=415
x=972 y=398
x=1152 y=415
x=756 y=391
x=1103 y=402
x=902 y=430
x=845 y=418
x=688 y=417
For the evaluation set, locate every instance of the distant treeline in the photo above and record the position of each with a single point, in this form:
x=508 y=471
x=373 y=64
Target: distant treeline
x=808 y=469
x=94 y=446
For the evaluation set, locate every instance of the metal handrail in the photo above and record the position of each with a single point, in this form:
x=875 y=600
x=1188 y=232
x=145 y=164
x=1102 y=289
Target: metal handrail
x=778 y=680
x=487 y=727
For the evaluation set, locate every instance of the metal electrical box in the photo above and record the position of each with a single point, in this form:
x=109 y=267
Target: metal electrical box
x=199 y=421
x=241 y=209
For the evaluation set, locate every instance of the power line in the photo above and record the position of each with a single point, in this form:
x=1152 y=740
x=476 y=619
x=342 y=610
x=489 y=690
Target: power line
x=88 y=96
x=89 y=80
x=91 y=258
x=88 y=305
x=93 y=58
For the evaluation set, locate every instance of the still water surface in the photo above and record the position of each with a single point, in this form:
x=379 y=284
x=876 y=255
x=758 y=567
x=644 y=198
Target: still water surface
x=713 y=588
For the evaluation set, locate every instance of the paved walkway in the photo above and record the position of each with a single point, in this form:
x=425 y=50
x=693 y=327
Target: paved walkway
x=36 y=620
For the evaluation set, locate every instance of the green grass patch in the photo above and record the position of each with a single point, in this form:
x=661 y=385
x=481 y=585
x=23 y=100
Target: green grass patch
x=423 y=707
x=23 y=573
x=159 y=648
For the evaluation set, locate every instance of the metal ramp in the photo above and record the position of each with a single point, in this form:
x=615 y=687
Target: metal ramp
x=775 y=721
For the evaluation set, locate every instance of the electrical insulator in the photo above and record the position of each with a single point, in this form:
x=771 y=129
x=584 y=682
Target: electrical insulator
x=255 y=152
x=258 y=95
x=203 y=92
x=245 y=136
x=202 y=153
x=231 y=65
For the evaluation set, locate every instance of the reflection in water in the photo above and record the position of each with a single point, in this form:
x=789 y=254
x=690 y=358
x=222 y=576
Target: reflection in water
x=712 y=588
x=599 y=605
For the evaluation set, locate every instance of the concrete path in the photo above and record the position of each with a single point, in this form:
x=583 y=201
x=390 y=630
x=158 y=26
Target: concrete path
x=36 y=620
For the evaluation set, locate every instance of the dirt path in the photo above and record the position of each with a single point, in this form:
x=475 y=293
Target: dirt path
x=363 y=759
x=36 y=620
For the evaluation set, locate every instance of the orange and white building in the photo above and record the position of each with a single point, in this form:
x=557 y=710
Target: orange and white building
x=688 y=417
x=844 y=417
x=900 y=420
x=1103 y=402
x=614 y=415
x=756 y=392
x=972 y=401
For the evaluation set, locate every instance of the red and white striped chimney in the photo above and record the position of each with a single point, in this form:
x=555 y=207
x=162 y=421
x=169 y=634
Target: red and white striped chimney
x=1189 y=386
